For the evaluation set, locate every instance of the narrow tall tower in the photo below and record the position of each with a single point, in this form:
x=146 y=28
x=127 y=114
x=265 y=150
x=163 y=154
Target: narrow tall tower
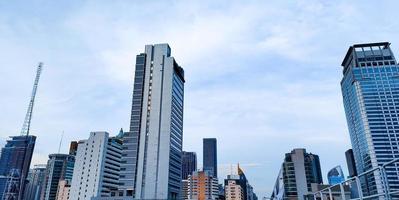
x=157 y=123
x=370 y=90
x=210 y=159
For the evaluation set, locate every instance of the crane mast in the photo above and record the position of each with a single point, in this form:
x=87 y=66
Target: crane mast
x=26 y=126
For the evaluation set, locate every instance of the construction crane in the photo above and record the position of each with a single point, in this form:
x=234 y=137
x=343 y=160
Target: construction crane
x=16 y=178
x=26 y=126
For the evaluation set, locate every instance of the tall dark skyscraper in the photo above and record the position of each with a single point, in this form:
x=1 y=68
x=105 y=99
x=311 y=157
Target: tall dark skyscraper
x=156 y=131
x=189 y=164
x=350 y=161
x=370 y=90
x=16 y=156
x=210 y=159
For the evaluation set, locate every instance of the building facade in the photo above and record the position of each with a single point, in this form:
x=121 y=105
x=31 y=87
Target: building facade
x=59 y=167
x=335 y=176
x=15 y=159
x=64 y=188
x=36 y=181
x=202 y=186
x=160 y=124
x=298 y=171
x=233 y=190
x=189 y=164
x=370 y=90
x=210 y=155
x=96 y=172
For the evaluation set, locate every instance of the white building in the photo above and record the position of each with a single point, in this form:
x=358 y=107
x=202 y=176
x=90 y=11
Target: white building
x=233 y=191
x=161 y=125
x=97 y=167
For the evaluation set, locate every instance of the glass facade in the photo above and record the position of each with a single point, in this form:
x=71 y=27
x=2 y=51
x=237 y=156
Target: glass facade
x=16 y=155
x=210 y=156
x=131 y=139
x=370 y=89
x=59 y=167
x=189 y=164
x=335 y=176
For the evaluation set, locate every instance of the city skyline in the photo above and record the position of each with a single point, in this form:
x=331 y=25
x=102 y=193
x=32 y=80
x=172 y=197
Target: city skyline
x=86 y=84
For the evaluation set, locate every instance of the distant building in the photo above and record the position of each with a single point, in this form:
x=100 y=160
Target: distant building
x=96 y=172
x=298 y=171
x=189 y=164
x=335 y=176
x=36 y=181
x=15 y=159
x=73 y=147
x=241 y=179
x=233 y=190
x=370 y=91
x=202 y=186
x=350 y=161
x=184 y=189
x=158 y=109
x=210 y=160
x=64 y=188
x=59 y=167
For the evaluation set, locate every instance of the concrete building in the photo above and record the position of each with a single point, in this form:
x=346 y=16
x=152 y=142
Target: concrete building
x=233 y=190
x=370 y=91
x=15 y=160
x=59 y=167
x=184 y=189
x=202 y=186
x=35 y=182
x=241 y=180
x=189 y=164
x=298 y=171
x=210 y=160
x=64 y=187
x=96 y=172
x=160 y=122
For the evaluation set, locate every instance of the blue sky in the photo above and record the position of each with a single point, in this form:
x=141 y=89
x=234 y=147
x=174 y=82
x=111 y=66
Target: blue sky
x=262 y=76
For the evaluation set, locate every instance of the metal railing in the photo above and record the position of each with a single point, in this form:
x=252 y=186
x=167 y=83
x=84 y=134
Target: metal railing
x=383 y=193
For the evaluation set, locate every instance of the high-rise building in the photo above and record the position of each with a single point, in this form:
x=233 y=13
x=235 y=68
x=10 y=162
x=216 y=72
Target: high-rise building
x=210 y=160
x=189 y=163
x=64 y=187
x=335 y=176
x=298 y=171
x=59 y=167
x=184 y=189
x=96 y=172
x=36 y=180
x=370 y=90
x=233 y=190
x=242 y=181
x=159 y=111
x=203 y=186
x=73 y=147
x=15 y=160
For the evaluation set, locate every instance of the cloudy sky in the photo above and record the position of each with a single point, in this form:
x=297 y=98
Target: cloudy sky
x=261 y=76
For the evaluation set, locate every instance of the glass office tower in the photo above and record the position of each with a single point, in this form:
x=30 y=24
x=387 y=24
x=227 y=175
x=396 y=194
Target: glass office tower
x=370 y=89
x=157 y=115
x=189 y=164
x=210 y=159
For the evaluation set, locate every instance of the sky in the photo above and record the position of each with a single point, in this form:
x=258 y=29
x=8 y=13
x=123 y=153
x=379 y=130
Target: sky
x=263 y=77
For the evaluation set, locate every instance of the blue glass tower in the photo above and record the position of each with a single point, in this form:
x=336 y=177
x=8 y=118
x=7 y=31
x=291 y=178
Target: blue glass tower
x=370 y=89
x=335 y=176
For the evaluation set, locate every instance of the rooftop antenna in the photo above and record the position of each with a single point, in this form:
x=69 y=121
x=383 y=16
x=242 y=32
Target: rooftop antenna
x=59 y=147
